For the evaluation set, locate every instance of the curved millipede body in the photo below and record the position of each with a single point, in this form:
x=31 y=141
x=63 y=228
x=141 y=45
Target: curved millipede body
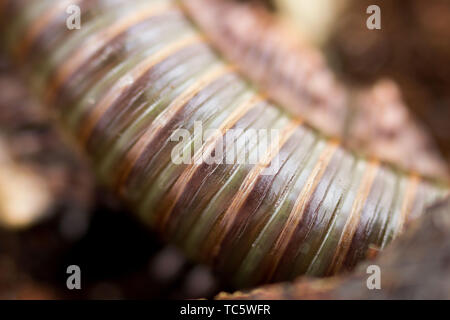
x=136 y=72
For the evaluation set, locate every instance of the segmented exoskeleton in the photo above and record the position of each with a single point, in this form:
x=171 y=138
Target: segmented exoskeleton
x=135 y=72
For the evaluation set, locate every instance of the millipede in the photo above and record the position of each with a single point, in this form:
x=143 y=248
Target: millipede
x=136 y=71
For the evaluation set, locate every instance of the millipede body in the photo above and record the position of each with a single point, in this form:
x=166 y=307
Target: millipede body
x=138 y=71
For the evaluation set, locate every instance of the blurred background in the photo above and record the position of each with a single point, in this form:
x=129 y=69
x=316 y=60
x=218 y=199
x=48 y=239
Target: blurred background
x=412 y=48
x=52 y=213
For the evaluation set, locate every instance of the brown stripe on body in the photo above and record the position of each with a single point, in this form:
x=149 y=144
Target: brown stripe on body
x=343 y=191
x=127 y=81
x=124 y=95
x=212 y=187
x=296 y=214
x=224 y=225
x=131 y=103
x=157 y=158
x=95 y=43
x=138 y=150
x=53 y=36
x=255 y=211
x=38 y=26
x=351 y=225
x=381 y=207
x=408 y=201
x=185 y=178
x=87 y=75
x=125 y=46
x=319 y=211
x=158 y=154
